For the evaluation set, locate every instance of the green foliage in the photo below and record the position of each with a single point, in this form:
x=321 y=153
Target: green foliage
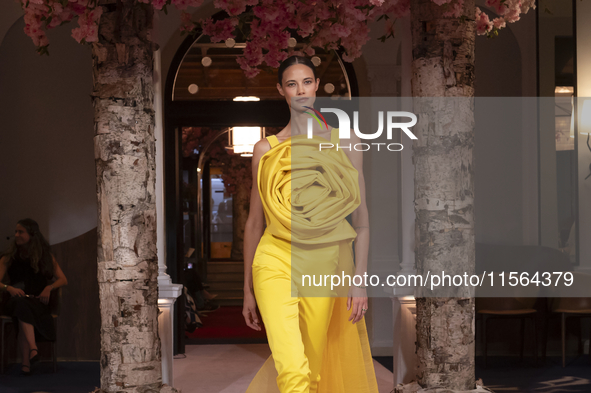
x=43 y=50
x=493 y=33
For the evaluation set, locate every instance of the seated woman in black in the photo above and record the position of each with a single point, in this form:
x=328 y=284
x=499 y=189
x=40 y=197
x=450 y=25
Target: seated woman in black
x=31 y=269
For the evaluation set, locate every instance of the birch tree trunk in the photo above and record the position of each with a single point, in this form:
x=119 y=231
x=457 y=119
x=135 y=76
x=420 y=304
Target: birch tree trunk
x=443 y=66
x=125 y=168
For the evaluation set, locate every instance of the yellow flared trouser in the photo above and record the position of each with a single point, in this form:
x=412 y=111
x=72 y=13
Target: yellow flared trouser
x=296 y=326
x=315 y=349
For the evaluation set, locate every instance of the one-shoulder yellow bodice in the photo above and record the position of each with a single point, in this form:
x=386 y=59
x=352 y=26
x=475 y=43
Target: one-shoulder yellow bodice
x=307 y=192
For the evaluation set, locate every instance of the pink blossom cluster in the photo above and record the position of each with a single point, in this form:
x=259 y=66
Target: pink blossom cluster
x=331 y=24
x=455 y=8
x=234 y=7
x=88 y=22
x=41 y=15
x=46 y=14
x=483 y=23
x=180 y=4
x=219 y=30
x=328 y=24
x=186 y=23
x=509 y=11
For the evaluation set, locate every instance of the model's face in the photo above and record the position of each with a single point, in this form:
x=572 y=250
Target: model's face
x=21 y=235
x=299 y=85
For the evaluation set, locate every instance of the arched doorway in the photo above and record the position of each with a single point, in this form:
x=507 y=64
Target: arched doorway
x=202 y=83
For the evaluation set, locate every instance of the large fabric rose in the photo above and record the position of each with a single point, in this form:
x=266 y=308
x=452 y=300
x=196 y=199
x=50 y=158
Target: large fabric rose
x=307 y=192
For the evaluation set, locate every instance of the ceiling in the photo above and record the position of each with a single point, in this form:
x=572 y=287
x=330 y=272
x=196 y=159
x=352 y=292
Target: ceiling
x=223 y=79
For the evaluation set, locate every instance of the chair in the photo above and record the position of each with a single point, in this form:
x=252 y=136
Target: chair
x=518 y=305
x=55 y=306
x=530 y=259
x=573 y=307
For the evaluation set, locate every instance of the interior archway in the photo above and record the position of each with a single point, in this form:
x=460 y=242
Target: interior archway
x=209 y=106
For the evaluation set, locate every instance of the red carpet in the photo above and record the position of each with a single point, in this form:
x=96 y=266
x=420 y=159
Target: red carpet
x=225 y=322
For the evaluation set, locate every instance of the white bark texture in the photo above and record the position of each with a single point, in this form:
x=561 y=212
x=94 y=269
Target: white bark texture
x=443 y=66
x=125 y=168
x=414 y=387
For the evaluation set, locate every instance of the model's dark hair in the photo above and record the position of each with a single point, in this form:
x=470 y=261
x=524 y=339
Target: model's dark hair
x=37 y=246
x=294 y=60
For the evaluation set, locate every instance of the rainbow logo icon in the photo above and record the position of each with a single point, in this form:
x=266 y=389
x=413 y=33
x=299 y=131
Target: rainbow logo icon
x=314 y=113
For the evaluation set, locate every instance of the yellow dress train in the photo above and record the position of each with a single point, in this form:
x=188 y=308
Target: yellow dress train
x=307 y=193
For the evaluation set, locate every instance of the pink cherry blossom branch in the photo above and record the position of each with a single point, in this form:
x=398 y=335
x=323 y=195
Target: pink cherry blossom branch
x=266 y=24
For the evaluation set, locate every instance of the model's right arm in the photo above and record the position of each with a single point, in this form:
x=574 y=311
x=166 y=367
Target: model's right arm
x=253 y=232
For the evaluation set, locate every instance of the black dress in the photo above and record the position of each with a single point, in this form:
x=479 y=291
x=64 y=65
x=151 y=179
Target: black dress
x=30 y=309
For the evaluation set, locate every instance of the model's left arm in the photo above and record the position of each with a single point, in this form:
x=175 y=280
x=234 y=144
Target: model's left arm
x=60 y=282
x=358 y=301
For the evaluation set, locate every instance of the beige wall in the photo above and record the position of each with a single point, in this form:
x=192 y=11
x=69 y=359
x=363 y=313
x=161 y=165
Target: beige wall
x=46 y=152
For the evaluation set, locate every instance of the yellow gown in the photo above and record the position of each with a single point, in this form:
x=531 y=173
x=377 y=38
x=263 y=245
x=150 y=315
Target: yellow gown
x=307 y=194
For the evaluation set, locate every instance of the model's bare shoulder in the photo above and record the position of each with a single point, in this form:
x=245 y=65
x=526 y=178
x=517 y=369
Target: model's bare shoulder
x=261 y=147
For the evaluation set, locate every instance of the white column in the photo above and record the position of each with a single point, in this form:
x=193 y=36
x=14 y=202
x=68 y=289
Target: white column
x=166 y=331
x=403 y=301
x=584 y=90
x=405 y=336
x=406 y=166
x=167 y=291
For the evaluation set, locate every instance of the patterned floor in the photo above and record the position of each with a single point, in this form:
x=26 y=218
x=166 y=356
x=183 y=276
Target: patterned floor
x=229 y=369
x=242 y=361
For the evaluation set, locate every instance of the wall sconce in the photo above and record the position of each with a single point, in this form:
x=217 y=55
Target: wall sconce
x=242 y=139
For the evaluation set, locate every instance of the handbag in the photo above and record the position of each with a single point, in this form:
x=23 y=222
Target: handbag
x=192 y=320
